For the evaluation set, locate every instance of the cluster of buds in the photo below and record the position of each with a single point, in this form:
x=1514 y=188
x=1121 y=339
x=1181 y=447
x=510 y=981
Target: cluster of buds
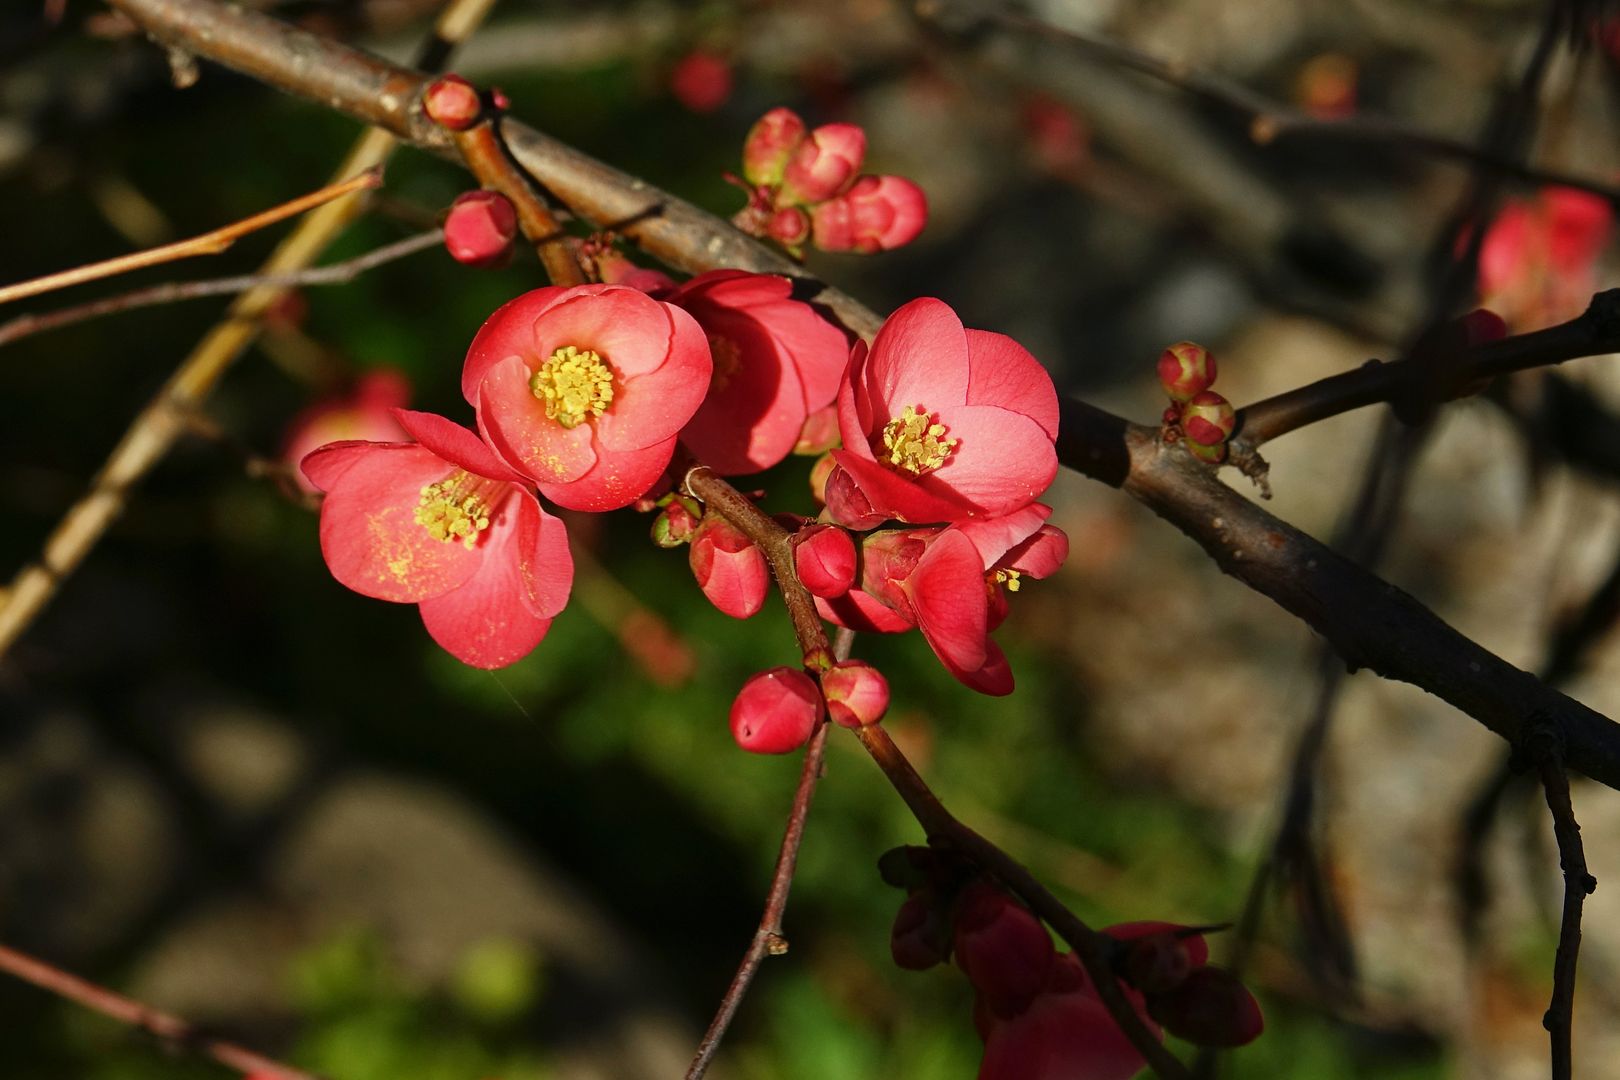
x=1036 y=1007
x=1196 y=413
x=777 y=711
x=805 y=186
x=480 y=226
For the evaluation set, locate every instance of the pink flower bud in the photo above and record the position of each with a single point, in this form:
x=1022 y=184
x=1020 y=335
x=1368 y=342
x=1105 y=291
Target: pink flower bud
x=701 y=81
x=1208 y=419
x=730 y=570
x=819 y=472
x=675 y=524
x=857 y=693
x=824 y=164
x=775 y=711
x=1004 y=950
x=1186 y=369
x=921 y=937
x=789 y=226
x=824 y=557
x=452 y=102
x=847 y=504
x=479 y=228
x=770 y=143
x=1212 y=454
x=879 y=213
x=820 y=432
x=1210 y=1008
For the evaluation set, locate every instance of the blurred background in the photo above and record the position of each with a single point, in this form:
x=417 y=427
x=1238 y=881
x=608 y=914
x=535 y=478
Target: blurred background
x=237 y=791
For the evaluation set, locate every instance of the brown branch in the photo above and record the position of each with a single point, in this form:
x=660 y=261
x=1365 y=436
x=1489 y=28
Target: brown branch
x=171 y=1029
x=1269 y=121
x=338 y=273
x=486 y=158
x=1578 y=884
x=209 y=243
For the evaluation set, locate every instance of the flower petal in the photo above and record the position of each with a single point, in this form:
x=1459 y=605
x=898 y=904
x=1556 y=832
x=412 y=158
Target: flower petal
x=545 y=565
x=863 y=612
x=897 y=497
x=617 y=479
x=948 y=593
x=516 y=427
x=1002 y=372
x=489 y=622
x=1003 y=460
x=649 y=408
x=508 y=332
x=455 y=444
x=624 y=326
x=994 y=537
x=753 y=419
x=325 y=465
x=919 y=357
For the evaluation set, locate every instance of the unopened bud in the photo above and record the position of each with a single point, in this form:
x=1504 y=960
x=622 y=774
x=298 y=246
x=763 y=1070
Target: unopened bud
x=676 y=523
x=921 y=937
x=1002 y=947
x=824 y=557
x=1211 y=1008
x=452 y=102
x=1186 y=369
x=823 y=164
x=857 y=693
x=479 y=229
x=769 y=145
x=729 y=569
x=879 y=213
x=1208 y=419
x=775 y=711
x=789 y=226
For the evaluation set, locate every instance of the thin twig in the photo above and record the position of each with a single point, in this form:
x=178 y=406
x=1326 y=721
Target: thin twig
x=487 y=159
x=209 y=243
x=1578 y=885
x=171 y=1029
x=338 y=273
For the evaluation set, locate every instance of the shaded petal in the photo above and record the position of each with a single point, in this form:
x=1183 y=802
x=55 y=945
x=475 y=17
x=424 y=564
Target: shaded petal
x=649 y=408
x=325 y=465
x=618 y=478
x=948 y=593
x=854 y=411
x=1197 y=948
x=754 y=421
x=994 y=537
x=516 y=427
x=863 y=612
x=455 y=444
x=919 y=357
x=624 y=326
x=1002 y=372
x=896 y=497
x=545 y=564
x=489 y=622
x=1041 y=554
x=369 y=534
x=508 y=332
x=1003 y=460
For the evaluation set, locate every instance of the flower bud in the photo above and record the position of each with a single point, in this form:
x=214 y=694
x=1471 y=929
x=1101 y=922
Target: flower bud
x=730 y=570
x=823 y=164
x=921 y=937
x=789 y=226
x=1210 y=1008
x=1208 y=419
x=452 y=102
x=1004 y=950
x=775 y=711
x=857 y=693
x=479 y=228
x=1155 y=963
x=1186 y=369
x=676 y=523
x=879 y=213
x=824 y=557
x=769 y=145
x=847 y=505
x=1212 y=454
x=819 y=472
x=819 y=433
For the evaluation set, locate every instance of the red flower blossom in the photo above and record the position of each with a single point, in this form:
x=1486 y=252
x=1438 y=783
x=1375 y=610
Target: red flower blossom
x=367 y=412
x=1537 y=261
x=443 y=524
x=776 y=361
x=1065 y=1034
x=880 y=213
x=941 y=423
x=584 y=389
x=701 y=80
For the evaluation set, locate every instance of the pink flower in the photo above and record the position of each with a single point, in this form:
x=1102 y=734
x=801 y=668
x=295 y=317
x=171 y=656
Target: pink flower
x=949 y=584
x=442 y=524
x=1537 y=263
x=479 y=228
x=701 y=80
x=880 y=213
x=770 y=143
x=367 y=412
x=775 y=362
x=584 y=389
x=729 y=569
x=776 y=711
x=823 y=164
x=941 y=423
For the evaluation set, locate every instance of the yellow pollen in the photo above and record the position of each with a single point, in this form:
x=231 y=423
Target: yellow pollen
x=1010 y=578
x=915 y=444
x=574 y=384
x=457 y=508
x=727 y=360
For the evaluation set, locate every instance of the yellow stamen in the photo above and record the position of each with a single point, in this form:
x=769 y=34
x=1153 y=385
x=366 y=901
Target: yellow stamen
x=727 y=361
x=458 y=507
x=574 y=384
x=916 y=445
x=1010 y=578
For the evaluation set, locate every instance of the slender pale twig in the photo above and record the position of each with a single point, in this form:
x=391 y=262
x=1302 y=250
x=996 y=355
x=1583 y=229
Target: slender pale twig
x=171 y=1029
x=170 y=292
x=209 y=243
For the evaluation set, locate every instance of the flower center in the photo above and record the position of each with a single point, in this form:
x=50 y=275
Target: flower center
x=1010 y=578
x=459 y=507
x=727 y=360
x=914 y=444
x=575 y=384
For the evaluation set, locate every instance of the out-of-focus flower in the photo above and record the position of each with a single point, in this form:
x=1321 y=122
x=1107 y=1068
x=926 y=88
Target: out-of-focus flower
x=584 y=389
x=1538 y=260
x=1326 y=86
x=941 y=423
x=701 y=80
x=366 y=412
x=1058 y=137
x=443 y=524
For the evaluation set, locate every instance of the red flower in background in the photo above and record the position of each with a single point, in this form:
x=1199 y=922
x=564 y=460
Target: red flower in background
x=366 y=412
x=701 y=80
x=942 y=423
x=584 y=389
x=1538 y=261
x=775 y=362
x=442 y=524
